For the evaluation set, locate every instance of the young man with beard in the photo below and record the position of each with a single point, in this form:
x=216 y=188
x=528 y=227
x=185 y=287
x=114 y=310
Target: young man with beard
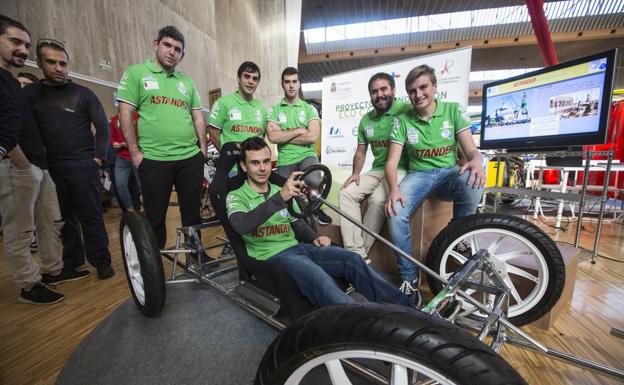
x=258 y=212
x=374 y=130
x=294 y=126
x=26 y=190
x=170 y=145
x=430 y=134
x=65 y=112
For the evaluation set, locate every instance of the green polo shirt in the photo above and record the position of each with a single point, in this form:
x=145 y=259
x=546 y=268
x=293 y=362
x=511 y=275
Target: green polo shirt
x=431 y=144
x=375 y=130
x=164 y=103
x=289 y=117
x=274 y=235
x=237 y=118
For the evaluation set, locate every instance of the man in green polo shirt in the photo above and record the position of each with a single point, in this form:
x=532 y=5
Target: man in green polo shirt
x=170 y=145
x=294 y=126
x=258 y=212
x=234 y=118
x=429 y=134
x=374 y=130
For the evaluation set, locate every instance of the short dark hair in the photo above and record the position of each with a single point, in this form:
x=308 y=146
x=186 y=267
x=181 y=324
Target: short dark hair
x=172 y=32
x=255 y=143
x=6 y=22
x=420 y=71
x=248 y=66
x=52 y=43
x=382 y=76
x=290 y=71
x=28 y=75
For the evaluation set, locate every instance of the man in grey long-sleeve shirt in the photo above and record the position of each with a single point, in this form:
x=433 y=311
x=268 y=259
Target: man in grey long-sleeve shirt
x=64 y=112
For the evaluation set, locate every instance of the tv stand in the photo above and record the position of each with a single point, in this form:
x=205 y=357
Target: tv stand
x=562 y=196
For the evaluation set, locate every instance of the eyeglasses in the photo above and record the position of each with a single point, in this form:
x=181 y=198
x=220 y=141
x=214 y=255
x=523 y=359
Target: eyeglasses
x=44 y=42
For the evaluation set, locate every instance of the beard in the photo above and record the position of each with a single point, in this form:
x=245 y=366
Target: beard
x=383 y=104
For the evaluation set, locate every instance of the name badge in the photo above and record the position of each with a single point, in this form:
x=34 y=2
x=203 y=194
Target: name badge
x=370 y=131
x=412 y=138
x=235 y=115
x=150 y=85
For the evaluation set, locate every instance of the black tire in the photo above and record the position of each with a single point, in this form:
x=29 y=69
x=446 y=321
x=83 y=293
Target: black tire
x=541 y=295
x=395 y=331
x=146 y=264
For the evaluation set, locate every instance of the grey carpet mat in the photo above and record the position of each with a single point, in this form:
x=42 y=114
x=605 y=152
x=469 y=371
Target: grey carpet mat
x=200 y=338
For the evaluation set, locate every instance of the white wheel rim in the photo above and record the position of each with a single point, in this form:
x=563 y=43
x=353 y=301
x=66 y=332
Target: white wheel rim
x=513 y=265
x=133 y=266
x=399 y=374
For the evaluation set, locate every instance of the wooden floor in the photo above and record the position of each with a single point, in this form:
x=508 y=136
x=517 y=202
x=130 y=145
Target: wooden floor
x=36 y=341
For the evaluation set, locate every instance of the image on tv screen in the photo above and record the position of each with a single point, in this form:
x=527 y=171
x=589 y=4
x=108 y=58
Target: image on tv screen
x=561 y=102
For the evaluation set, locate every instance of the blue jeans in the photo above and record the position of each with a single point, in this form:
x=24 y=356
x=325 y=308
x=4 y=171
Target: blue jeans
x=442 y=183
x=313 y=269
x=123 y=168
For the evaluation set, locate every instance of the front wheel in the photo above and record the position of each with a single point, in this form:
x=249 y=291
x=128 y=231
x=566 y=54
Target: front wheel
x=524 y=256
x=401 y=345
x=142 y=263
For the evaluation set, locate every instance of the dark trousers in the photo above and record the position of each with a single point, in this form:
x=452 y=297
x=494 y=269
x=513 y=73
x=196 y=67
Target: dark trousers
x=84 y=236
x=157 y=179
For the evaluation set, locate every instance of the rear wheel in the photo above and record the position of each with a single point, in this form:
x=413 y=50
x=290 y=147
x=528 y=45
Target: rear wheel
x=398 y=343
x=524 y=256
x=142 y=263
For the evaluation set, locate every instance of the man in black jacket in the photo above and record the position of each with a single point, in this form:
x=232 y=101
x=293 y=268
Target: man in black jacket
x=27 y=192
x=64 y=112
x=14 y=54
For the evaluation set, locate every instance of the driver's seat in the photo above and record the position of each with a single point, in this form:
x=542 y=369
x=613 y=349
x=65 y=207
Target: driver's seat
x=266 y=275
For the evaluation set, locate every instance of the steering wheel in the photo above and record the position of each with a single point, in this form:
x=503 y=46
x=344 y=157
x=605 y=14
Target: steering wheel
x=308 y=201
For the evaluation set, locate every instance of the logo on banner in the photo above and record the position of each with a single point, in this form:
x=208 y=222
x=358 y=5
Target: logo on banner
x=347 y=165
x=332 y=87
x=395 y=75
x=335 y=132
x=354 y=131
x=335 y=150
x=446 y=68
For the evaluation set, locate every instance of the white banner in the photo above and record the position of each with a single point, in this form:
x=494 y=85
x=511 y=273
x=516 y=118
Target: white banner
x=346 y=100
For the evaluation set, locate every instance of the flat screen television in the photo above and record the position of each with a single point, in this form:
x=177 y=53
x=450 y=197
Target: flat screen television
x=553 y=108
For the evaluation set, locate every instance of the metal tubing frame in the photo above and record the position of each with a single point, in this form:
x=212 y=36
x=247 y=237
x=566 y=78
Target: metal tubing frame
x=525 y=341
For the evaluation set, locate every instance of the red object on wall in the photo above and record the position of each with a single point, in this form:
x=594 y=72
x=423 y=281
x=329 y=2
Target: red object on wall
x=615 y=141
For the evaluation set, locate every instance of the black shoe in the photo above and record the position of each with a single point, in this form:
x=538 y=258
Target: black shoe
x=227 y=252
x=323 y=218
x=410 y=289
x=105 y=271
x=39 y=294
x=64 y=276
